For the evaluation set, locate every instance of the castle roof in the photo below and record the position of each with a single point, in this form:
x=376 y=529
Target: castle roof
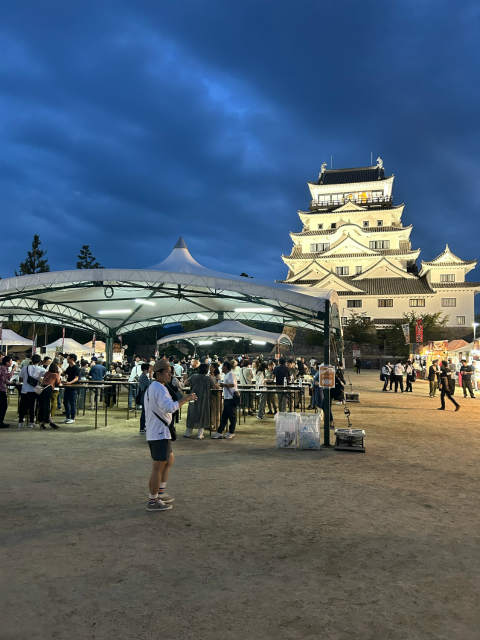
x=447 y=258
x=347 y=176
x=321 y=232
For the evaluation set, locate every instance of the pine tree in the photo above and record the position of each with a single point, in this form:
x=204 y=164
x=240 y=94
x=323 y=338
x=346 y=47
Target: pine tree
x=86 y=259
x=36 y=261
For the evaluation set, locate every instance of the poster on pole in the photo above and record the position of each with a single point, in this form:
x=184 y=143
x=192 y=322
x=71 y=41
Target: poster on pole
x=94 y=339
x=34 y=345
x=63 y=339
x=419 y=331
x=327 y=376
x=406 y=333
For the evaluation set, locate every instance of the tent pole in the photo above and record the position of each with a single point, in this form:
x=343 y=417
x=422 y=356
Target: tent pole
x=326 y=391
x=109 y=349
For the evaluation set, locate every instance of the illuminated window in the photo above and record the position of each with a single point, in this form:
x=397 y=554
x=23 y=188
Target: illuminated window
x=447 y=277
x=460 y=319
x=319 y=246
x=449 y=302
x=417 y=302
x=385 y=302
x=379 y=244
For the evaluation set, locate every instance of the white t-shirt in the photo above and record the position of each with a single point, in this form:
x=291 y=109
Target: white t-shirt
x=228 y=391
x=30 y=370
x=158 y=400
x=399 y=369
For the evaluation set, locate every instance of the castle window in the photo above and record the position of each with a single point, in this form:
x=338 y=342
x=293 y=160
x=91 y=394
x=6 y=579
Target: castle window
x=358 y=269
x=319 y=246
x=379 y=223
x=341 y=271
x=449 y=302
x=447 y=277
x=320 y=226
x=344 y=320
x=417 y=302
x=385 y=302
x=379 y=244
x=333 y=225
x=354 y=304
x=460 y=319
x=365 y=223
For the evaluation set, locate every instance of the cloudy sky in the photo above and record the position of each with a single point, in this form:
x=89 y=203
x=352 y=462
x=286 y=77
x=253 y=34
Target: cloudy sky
x=127 y=124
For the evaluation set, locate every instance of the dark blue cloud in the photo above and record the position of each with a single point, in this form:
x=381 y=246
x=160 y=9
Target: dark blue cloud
x=125 y=125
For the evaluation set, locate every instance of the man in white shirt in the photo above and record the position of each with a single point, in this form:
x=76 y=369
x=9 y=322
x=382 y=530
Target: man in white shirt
x=159 y=408
x=229 y=385
x=398 y=372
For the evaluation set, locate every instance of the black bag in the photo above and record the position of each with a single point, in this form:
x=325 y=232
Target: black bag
x=31 y=380
x=171 y=427
x=139 y=398
x=382 y=377
x=236 y=399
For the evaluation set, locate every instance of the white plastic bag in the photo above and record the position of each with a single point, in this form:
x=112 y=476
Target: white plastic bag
x=308 y=431
x=286 y=427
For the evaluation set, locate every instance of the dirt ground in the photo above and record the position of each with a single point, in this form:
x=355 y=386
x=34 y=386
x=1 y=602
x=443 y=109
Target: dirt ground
x=261 y=543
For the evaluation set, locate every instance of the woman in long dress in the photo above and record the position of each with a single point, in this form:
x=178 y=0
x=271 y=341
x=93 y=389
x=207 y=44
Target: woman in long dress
x=198 y=416
x=215 y=397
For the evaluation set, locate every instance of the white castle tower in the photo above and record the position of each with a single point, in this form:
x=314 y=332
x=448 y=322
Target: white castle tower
x=353 y=241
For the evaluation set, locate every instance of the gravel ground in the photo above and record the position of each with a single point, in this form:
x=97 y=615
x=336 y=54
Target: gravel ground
x=261 y=543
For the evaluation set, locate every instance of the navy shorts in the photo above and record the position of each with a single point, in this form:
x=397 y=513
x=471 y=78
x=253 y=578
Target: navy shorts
x=160 y=450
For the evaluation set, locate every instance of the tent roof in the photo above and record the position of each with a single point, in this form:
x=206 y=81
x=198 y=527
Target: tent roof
x=69 y=345
x=9 y=337
x=227 y=329
x=99 y=345
x=116 y=301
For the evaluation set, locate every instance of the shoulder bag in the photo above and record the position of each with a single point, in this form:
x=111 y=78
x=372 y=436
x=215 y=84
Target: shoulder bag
x=171 y=427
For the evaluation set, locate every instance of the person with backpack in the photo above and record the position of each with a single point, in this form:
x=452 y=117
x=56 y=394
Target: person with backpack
x=411 y=375
x=385 y=375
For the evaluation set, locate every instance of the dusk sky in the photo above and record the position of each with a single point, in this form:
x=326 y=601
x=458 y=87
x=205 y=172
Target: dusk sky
x=127 y=124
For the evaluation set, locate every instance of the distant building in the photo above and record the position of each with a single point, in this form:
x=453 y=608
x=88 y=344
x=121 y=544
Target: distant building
x=353 y=241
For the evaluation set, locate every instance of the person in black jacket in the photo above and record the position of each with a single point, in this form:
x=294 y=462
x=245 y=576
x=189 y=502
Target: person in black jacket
x=445 y=387
x=467 y=370
x=433 y=372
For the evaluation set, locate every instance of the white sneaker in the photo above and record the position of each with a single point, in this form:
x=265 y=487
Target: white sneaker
x=31 y=425
x=69 y=421
x=20 y=425
x=216 y=435
x=229 y=436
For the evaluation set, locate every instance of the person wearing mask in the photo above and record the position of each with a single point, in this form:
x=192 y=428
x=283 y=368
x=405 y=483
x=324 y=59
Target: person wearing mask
x=282 y=378
x=386 y=371
x=135 y=374
x=229 y=386
x=199 y=412
x=433 y=373
x=30 y=375
x=445 y=387
x=6 y=372
x=411 y=376
x=159 y=408
x=143 y=384
x=467 y=371
x=72 y=375
x=50 y=382
x=399 y=370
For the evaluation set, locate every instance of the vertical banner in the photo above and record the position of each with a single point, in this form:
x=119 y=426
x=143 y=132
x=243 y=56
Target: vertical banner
x=419 y=331
x=63 y=339
x=1 y=336
x=34 y=345
x=406 y=333
x=94 y=340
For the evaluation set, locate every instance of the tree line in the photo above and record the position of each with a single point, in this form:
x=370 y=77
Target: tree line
x=37 y=261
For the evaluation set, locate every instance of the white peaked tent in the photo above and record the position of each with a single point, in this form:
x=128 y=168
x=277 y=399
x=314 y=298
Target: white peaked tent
x=69 y=346
x=228 y=330
x=100 y=346
x=10 y=338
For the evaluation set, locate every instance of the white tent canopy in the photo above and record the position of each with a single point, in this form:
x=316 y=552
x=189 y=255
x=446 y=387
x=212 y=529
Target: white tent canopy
x=229 y=330
x=100 y=346
x=69 y=346
x=10 y=338
x=113 y=302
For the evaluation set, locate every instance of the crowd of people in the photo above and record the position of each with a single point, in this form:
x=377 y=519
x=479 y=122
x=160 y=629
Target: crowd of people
x=442 y=376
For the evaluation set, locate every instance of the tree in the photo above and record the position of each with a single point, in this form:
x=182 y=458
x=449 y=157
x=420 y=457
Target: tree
x=36 y=261
x=360 y=329
x=394 y=339
x=86 y=259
